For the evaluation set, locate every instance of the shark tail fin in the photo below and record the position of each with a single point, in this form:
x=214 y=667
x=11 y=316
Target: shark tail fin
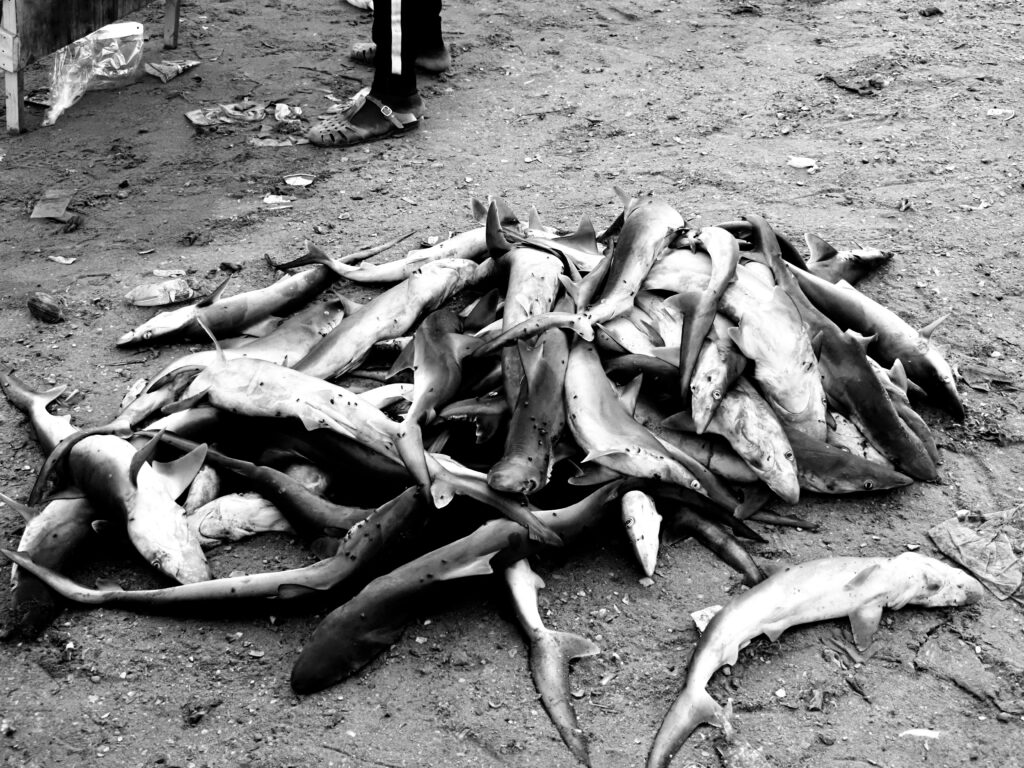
x=693 y=708
x=550 y=654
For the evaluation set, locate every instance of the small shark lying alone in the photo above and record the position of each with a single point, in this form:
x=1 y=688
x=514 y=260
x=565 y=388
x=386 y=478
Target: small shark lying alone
x=858 y=587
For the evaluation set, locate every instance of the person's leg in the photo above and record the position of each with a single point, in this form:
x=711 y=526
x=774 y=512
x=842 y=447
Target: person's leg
x=395 y=32
x=423 y=17
x=393 y=104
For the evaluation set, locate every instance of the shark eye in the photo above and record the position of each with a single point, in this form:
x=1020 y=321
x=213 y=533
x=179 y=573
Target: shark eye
x=716 y=394
x=868 y=485
x=147 y=335
x=695 y=485
x=788 y=455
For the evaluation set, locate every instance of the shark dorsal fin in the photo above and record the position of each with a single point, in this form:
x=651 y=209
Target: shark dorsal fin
x=505 y=213
x=929 y=329
x=819 y=248
x=898 y=375
x=478 y=209
x=496 y=240
x=177 y=475
x=215 y=296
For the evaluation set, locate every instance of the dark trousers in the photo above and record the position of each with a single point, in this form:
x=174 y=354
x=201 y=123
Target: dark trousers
x=402 y=30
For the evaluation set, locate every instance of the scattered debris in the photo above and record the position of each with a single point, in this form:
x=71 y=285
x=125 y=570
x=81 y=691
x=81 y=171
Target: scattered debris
x=990 y=550
x=166 y=71
x=168 y=272
x=160 y=294
x=228 y=114
x=983 y=378
x=65 y=260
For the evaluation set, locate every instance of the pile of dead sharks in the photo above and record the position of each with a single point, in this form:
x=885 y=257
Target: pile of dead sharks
x=534 y=380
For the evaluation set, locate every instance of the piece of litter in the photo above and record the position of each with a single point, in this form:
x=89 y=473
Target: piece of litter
x=807 y=163
x=168 y=70
x=286 y=141
x=147 y=252
x=52 y=205
x=703 y=617
x=62 y=259
x=299 y=179
x=1006 y=114
x=922 y=733
x=277 y=199
x=159 y=294
x=168 y=272
x=646 y=581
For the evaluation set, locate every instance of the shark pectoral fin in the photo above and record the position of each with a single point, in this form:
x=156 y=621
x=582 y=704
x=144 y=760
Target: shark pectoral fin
x=478 y=566
x=293 y=591
x=595 y=475
x=463 y=345
x=864 y=621
x=861 y=578
x=404 y=362
x=484 y=310
x=184 y=404
x=177 y=475
x=594 y=455
x=629 y=392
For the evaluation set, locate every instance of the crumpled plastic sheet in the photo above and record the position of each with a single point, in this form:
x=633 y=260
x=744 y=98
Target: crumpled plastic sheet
x=991 y=547
x=226 y=114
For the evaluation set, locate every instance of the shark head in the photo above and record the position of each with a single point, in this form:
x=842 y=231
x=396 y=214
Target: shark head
x=162 y=324
x=932 y=583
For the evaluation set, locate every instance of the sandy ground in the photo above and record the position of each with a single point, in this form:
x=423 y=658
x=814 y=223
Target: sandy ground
x=549 y=105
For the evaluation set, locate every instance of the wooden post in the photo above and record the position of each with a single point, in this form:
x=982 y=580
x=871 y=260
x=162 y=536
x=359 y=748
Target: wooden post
x=10 y=64
x=172 y=14
x=15 y=105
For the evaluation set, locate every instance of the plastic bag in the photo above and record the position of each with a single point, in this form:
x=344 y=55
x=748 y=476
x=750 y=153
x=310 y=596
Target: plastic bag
x=109 y=57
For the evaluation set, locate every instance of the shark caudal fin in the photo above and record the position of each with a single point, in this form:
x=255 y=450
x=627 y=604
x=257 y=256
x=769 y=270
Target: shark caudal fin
x=550 y=654
x=693 y=707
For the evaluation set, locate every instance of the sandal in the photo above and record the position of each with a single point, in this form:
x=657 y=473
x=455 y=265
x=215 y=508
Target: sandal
x=365 y=53
x=340 y=131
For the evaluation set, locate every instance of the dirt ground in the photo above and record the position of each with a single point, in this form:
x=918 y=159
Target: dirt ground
x=914 y=121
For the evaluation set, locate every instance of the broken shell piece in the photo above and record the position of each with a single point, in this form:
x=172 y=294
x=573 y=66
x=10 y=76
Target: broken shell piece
x=643 y=525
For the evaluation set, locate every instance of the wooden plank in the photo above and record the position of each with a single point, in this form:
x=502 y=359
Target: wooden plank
x=43 y=27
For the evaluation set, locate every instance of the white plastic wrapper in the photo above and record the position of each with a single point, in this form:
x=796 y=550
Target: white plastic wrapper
x=109 y=57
